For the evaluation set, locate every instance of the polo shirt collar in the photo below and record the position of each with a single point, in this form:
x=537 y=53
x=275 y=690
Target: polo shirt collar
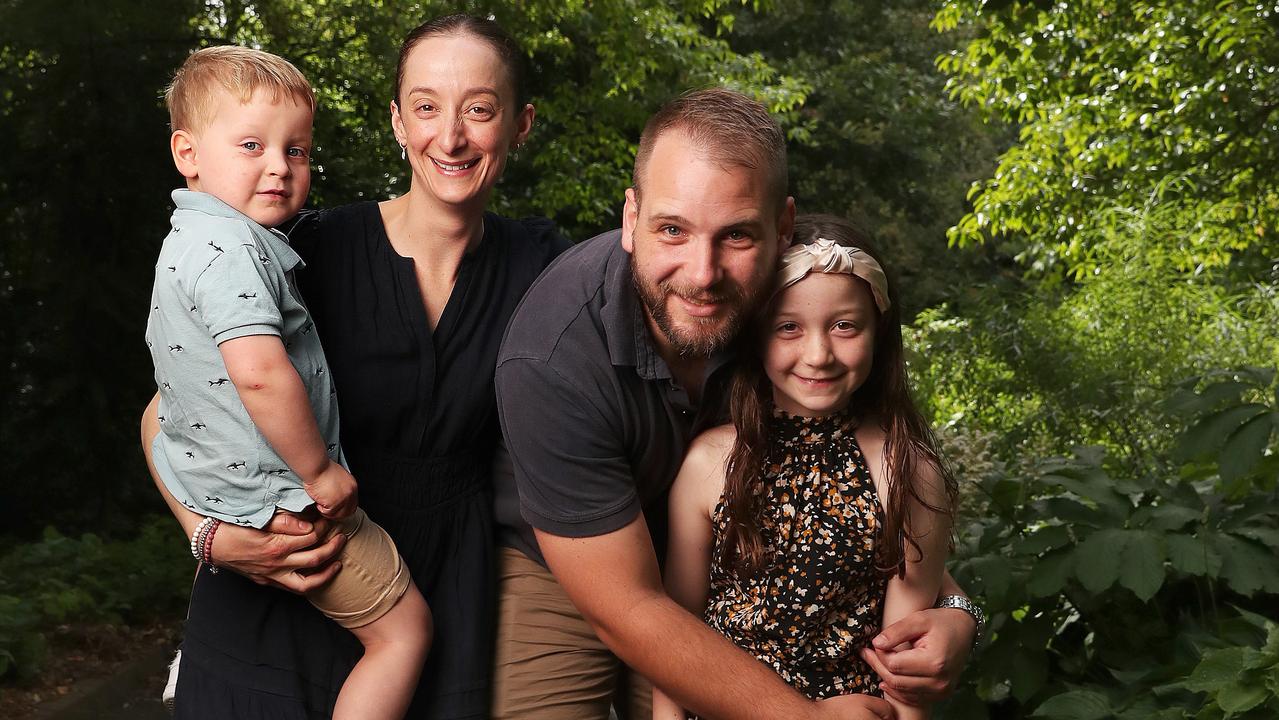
x=207 y=204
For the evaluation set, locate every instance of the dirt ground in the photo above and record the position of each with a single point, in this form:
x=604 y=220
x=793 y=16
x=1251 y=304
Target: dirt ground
x=97 y=671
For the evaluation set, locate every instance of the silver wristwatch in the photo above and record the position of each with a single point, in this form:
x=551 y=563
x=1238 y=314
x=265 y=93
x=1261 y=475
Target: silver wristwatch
x=959 y=602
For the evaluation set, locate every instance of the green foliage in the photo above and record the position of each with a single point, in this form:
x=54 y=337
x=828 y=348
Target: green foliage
x=599 y=71
x=1088 y=362
x=1133 y=594
x=62 y=579
x=1116 y=101
x=877 y=139
x=84 y=181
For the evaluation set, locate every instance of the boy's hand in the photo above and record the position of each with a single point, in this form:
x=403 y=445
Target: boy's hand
x=333 y=491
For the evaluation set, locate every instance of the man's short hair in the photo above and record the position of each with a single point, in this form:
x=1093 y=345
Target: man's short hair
x=237 y=70
x=731 y=129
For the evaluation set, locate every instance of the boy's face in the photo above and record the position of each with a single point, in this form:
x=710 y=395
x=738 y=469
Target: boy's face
x=254 y=156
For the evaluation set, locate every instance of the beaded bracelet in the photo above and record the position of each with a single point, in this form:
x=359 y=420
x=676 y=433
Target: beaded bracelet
x=197 y=538
x=202 y=541
x=206 y=552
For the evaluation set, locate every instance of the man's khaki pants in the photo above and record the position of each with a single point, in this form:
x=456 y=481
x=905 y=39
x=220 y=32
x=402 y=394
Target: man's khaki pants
x=550 y=665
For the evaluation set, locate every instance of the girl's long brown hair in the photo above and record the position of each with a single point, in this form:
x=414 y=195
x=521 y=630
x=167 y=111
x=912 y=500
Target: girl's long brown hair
x=884 y=397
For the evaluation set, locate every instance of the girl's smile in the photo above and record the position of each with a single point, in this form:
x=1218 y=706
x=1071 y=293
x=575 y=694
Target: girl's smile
x=820 y=343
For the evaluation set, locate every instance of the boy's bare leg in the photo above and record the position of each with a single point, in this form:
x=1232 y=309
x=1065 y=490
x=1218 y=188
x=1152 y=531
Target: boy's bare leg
x=382 y=684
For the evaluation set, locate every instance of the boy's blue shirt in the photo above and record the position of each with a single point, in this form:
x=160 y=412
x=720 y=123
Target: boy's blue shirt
x=222 y=276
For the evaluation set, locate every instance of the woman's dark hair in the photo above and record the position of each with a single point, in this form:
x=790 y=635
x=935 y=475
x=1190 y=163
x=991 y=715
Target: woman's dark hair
x=884 y=397
x=508 y=51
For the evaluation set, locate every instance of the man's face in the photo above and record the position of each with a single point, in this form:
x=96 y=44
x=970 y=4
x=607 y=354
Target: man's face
x=704 y=244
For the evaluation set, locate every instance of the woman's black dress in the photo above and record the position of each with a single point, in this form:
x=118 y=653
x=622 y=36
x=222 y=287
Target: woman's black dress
x=419 y=425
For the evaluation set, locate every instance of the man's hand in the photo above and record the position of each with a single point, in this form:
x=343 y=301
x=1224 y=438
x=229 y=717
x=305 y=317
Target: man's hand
x=285 y=555
x=855 y=707
x=333 y=491
x=920 y=657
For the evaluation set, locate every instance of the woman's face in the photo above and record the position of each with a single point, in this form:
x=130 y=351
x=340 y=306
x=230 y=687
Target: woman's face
x=457 y=118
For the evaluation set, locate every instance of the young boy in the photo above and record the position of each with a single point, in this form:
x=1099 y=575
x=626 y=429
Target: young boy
x=248 y=416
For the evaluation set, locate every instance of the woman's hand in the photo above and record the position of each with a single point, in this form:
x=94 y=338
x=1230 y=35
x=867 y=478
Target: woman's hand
x=282 y=556
x=920 y=657
x=285 y=555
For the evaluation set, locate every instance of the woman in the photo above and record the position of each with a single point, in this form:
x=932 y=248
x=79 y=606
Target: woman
x=410 y=297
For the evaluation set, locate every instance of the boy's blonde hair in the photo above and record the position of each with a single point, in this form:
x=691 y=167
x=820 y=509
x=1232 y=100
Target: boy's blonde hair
x=237 y=70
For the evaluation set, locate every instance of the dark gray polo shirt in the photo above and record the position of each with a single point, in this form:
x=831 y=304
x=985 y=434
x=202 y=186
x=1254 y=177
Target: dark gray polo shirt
x=595 y=425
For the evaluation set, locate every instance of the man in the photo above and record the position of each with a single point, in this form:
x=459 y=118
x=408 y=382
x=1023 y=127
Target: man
x=612 y=363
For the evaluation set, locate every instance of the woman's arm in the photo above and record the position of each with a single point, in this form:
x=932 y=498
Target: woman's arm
x=688 y=558
x=283 y=556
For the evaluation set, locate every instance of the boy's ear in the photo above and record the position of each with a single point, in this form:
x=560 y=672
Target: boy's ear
x=185 y=157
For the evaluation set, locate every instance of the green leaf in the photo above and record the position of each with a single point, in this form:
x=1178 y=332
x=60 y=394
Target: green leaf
x=1247 y=566
x=994 y=576
x=1260 y=622
x=1209 y=434
x=1142 y=568
x=1265 y=535
x=1245 y=447
x=1070 y=511
x=1090 y=488
x=1050 y=573
x=1028 y=674
x=1215 y=394
x=1098 y=557
x=1075 y=705
x=1217 y=669
x=1041 y=540
x=1193 y=556
x=1238 y=697
x=1173 y=517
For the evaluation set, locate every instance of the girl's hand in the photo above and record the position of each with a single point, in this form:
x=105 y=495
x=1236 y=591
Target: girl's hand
x=333 y=491
x=920 y=657
x=855 y=707
x=285 y=555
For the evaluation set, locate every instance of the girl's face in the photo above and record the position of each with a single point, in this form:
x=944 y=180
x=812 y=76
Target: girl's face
x=458 y=118
x=820 y=343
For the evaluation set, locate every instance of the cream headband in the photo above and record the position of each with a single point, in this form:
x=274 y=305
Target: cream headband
x=825 y=256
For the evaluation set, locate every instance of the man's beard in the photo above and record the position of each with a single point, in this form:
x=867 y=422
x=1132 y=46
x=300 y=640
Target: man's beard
x=707 y=335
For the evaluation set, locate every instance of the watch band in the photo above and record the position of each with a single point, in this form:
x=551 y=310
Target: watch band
x=959 y=602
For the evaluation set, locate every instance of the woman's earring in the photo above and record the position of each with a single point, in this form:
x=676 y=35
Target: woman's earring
x=404 y=152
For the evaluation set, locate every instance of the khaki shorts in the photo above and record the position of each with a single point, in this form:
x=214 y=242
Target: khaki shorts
x=372 y=578
x=550 y=665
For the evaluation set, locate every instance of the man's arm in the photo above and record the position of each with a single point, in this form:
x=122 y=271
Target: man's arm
x=283 y=557
x=614 y=581
x=940 y=642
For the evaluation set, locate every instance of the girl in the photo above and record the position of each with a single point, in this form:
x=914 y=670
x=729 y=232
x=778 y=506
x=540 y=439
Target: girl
x=823 y=511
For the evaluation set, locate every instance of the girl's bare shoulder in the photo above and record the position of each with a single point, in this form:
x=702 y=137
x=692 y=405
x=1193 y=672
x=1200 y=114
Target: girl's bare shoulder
x=709 y=450
x=702 y=473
